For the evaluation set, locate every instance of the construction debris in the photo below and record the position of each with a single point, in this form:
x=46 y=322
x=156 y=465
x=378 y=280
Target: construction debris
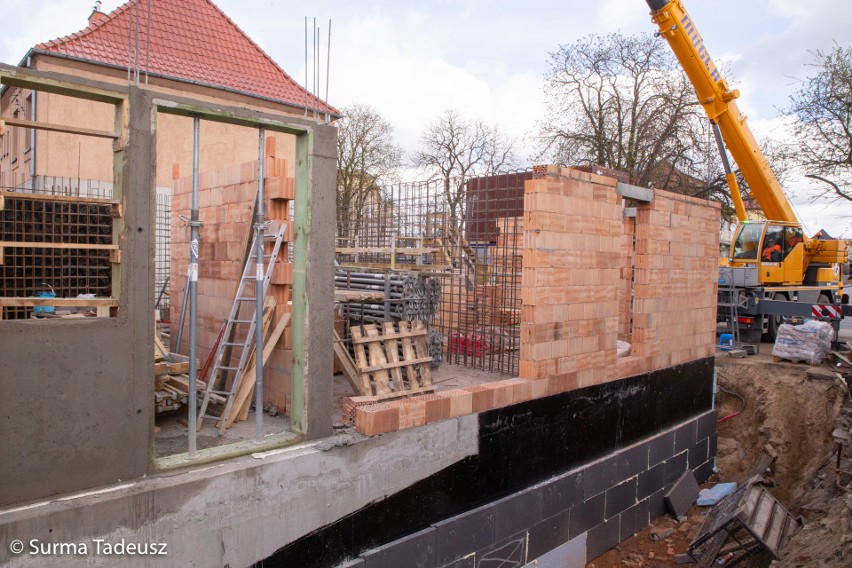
x=712 y=495
x=749 y=523
x=682 y=495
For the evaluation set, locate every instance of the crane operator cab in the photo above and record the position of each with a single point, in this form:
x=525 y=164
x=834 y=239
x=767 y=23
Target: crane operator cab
x=775 y=249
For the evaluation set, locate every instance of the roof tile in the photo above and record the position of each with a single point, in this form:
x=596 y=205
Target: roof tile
x=222 y=56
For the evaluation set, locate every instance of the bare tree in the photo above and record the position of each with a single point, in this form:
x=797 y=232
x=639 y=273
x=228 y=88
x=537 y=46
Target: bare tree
x=823 y=129
x=366 y=156
x=623 y=102
x=455 y=149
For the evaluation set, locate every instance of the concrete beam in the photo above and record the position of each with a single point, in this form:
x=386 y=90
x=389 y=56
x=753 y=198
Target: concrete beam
x=644 y=194
x=242 y=511
x=241 y=116
x=61 y=84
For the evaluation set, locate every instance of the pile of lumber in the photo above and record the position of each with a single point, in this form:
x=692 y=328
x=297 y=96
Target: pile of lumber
x=171 y=384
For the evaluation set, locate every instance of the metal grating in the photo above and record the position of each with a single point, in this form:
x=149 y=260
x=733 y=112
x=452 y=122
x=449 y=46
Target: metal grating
x=69 y=272
x=162 y=233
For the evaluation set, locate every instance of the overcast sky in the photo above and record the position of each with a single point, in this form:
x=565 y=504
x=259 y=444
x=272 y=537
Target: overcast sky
x=487 y=58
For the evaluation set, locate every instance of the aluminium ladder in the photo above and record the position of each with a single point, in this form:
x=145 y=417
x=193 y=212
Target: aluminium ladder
x=244 y=299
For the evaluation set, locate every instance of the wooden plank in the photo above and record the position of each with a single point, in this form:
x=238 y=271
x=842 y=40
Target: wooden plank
x=79 y=302
x=398 y=365
x=244 y=395
x=166 y=368
x=357 y=296
x=386 y=250
x=50 y=197
x=348 y=366
x=245 y=381
x=361 y=359
x=425 y=268
x=408 y=354
x=377 y=360
x=391 y=345
x=400 y=335
x=422 y=353
x=160 y=351
x=772 y=537
x=50 y=127
x=64 y=246
x=842 y=358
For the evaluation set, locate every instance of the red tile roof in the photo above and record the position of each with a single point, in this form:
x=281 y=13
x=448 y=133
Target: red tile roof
x=191 y=40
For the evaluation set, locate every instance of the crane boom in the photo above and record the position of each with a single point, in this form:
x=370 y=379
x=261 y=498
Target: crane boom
x=718 y=101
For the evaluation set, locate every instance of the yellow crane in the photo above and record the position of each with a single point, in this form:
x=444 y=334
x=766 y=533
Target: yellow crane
x=770 y=261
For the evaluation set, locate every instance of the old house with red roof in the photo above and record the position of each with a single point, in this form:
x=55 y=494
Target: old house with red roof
x=190 y=48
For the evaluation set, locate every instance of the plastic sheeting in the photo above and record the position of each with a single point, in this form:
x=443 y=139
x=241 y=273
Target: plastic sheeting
x=810 y=342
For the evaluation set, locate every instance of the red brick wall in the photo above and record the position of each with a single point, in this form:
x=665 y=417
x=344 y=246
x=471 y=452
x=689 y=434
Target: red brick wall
x=583 y=282
x=226 y=198
x=573 y=231
x=578 y=253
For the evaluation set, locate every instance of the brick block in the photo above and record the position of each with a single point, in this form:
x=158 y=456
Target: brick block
x=280 y=188
x=377 y=418
x=282 y=273
x=461 y=402
x=412 y=412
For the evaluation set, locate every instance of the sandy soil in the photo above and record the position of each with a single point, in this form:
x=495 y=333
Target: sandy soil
x=795 y=416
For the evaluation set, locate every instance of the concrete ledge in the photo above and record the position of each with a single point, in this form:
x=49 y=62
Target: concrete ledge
x=238 y=512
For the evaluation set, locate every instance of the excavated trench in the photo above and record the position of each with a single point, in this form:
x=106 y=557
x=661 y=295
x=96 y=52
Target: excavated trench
x=785 y=409
x=776 y=405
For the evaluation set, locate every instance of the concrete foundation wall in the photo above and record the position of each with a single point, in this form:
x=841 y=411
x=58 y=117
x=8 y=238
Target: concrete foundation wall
x=239 y=512
x=76 y=405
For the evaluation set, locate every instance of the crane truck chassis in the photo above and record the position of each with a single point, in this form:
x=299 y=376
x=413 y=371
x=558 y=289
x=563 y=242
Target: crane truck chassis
x=774 y=272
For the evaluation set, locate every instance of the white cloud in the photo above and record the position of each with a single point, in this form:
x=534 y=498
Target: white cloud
x=382 y=64
x=623 y=15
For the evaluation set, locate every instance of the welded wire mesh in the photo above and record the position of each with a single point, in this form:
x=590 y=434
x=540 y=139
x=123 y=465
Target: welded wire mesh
x=465 y=236
x=68 y=272
x=162 y=234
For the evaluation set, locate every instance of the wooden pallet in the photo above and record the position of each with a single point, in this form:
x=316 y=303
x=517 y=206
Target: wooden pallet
x=390 y=360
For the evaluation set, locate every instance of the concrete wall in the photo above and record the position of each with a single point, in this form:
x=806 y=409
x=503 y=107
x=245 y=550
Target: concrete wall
x=616 y=446
x=237 y=513
x=76 y=410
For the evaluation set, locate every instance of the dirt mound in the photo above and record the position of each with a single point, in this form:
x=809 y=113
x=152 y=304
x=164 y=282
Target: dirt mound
x=784 y=408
